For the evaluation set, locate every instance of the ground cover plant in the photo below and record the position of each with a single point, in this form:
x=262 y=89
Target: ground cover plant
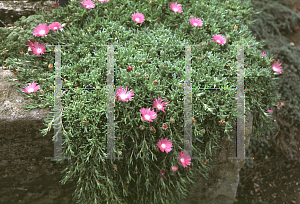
x=149 y=89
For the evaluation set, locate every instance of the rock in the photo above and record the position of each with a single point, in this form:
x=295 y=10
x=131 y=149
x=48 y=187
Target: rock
x=221 y=186
x=11 y=102
x=11 y=11
x=26 y=176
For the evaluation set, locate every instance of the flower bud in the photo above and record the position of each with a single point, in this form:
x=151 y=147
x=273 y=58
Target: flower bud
x=76 y=14
x=162 y=66
x=84 y=121
x=138 y=74
x=144 y=60
x=105 y=11
x=162 y=52
x=180 y=85
x=70 y=6
x=156 y=25
x=142 y=127
x=50 y=66
x=172 y=120
x=129 y=69
x=155 y=82
x=227 y=2
x=152 y=129
x=147 y=76
x=117 y=7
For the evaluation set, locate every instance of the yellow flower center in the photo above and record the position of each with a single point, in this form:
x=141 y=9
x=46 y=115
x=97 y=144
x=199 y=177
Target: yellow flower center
x=182 y=160
x=30 y=90
x=159 y=106
x=123 y=96
x=137 y=19
x=175 y=9
x=218 y=41
x=42 y=32
x=147 y=117
x=163 y=145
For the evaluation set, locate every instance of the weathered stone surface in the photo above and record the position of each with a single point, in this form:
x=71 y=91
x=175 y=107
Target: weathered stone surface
x=10 y=10
x=25 y=175
x=221 y=187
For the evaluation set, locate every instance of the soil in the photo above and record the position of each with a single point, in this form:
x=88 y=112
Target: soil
x=274 y=180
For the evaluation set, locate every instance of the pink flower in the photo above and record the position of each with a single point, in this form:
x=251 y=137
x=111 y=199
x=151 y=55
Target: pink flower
x=219 y=39
x=271 y=111
x=263 y=54
x=148 y=114
x=165 y=145
x=102 y=1
x=158 y=104
x=184 y=159
x=121 y=93
x=38 y=49
x=196 y=22
x=164 y=127
x=31 y=88
x=88 y=4
x=276 y=67
x=176 y=7
x=174 y=168
x=41 y=30
x=138 y=17
x=54 y=26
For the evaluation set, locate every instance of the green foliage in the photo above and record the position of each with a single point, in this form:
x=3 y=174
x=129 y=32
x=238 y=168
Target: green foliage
x=84 y=64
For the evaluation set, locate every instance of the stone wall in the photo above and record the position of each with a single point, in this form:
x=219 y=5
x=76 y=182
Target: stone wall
x=25 y=175
x=11 y=11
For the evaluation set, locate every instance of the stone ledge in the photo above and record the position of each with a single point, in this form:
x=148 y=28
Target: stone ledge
x=11 y=102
